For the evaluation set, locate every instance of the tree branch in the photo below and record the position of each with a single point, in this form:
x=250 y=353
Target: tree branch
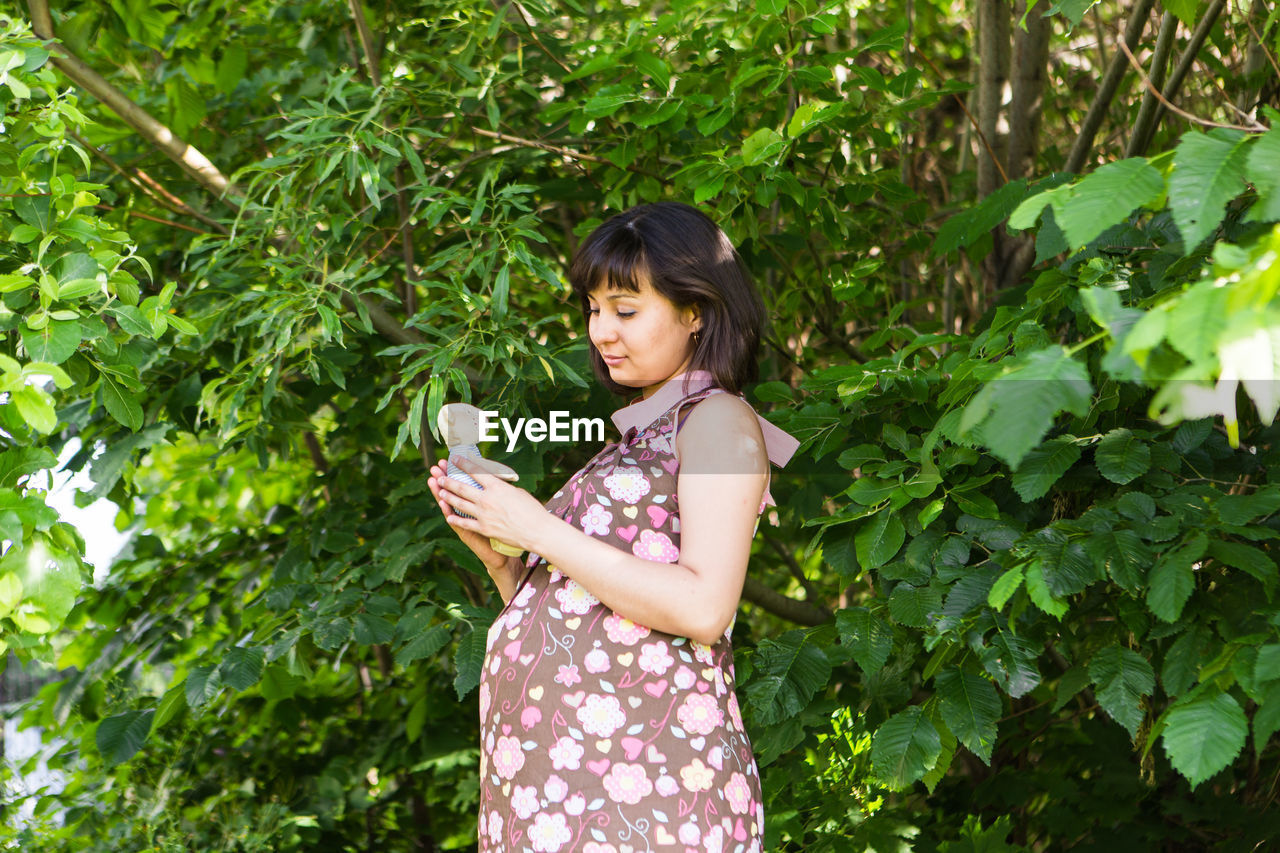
x=810 y=591
x=1108 y=88
x=149 y=186
x=366 y=41
x=1187 y=59
x=1254 y=128
x=799 y=612
x=1144 y=125
x=192 y=161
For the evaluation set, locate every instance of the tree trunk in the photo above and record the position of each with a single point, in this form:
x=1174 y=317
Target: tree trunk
x=1107 y=89
x=1029 y=71
x=1144 y=126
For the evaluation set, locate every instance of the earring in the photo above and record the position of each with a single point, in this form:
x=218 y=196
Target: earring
x=696 y=333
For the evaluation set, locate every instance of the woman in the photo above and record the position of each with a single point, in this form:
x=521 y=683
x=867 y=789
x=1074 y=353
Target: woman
x=608 y=715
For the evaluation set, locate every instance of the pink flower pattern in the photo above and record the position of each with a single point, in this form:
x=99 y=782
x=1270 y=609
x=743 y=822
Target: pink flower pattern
x=627 y=483
x=655 y=546
x=590 y=720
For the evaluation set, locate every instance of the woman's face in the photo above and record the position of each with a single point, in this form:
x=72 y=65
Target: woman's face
x=643 y=338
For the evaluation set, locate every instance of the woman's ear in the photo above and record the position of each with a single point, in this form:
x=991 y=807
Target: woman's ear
x=693 y=318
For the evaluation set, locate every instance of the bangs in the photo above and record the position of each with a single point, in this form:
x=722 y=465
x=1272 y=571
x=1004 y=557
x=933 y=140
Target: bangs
x=614 y=259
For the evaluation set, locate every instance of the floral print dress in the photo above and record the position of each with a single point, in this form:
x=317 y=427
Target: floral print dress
x=599 y=734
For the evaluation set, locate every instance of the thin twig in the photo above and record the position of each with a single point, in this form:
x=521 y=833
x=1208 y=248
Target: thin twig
x=556 y=149
x=527 y=20
x=1204 y=122
x=149 y=186
x=1262 y=44
x=797 y=572
x=972 y=121
x=151 y=218
x=366 y=41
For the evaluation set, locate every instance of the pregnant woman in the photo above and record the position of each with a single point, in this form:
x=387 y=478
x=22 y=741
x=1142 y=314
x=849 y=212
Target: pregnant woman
x=608 y=718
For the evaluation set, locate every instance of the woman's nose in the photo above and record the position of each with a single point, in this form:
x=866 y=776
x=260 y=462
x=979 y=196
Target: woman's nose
x=602 y=331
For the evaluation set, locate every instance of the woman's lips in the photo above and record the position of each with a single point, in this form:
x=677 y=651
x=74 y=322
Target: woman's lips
x=612 y=360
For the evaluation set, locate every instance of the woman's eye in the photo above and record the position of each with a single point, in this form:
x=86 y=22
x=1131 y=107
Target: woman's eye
x=626 y=313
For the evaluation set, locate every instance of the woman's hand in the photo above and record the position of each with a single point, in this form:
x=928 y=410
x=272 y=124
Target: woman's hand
x=479 y=545
x=499 y=510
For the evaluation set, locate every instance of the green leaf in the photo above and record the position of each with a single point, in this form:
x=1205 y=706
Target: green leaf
x=1246 y=558
x=1011 y=661
x=1039 y=591
x=241 y=668
x=55 y=343
x=1184 y=10
x=10 y=593
x=1263 y=171
x=654 y=67
x=1242 y=509
x=279 y=683
x=1106 y=198
x=879 y=540
x=424 y=645
x=1122 y=677
x=761 y=145
x=1173 y=579
x=1012 y=412
x=36 y=211
x=1122 y=457
x=1064 y=562
x=1043 y=466
x=1182 y=662
x=36 y=408
x=1072 y=682
x=1208 y=171
x=1266 y=720
x=970 y=708
x=469 y=658
x=771 y=7
x=75 y=266
x=1072 y=10
x=914 y=606
x=1204 y=733
x=867 y=636
x=51 y=579
x=203 y=684
x=231 y=68
x=1004 y=588
x=121 y=403
x=120 y=737
x=905 y=747
x=171 y=704
x=372 y=630
x=970 y=225
x=788 y=671
x=1125 y=556
x=1267 y=666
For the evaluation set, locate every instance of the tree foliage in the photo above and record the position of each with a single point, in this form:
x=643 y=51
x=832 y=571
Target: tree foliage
x=1022 y=570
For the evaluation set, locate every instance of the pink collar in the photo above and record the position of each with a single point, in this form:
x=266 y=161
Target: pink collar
x=779 y=444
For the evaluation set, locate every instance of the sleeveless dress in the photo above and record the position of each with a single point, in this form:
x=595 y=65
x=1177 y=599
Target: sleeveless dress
x=598 y=734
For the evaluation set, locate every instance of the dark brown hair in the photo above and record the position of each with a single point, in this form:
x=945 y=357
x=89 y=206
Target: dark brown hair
x=690 y=261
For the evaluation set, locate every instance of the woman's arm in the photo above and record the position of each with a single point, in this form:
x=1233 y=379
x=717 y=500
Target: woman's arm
x=721 y=482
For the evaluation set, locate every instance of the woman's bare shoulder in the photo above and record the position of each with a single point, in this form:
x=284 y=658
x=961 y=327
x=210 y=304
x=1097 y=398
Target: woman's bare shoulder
x=723 y=427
